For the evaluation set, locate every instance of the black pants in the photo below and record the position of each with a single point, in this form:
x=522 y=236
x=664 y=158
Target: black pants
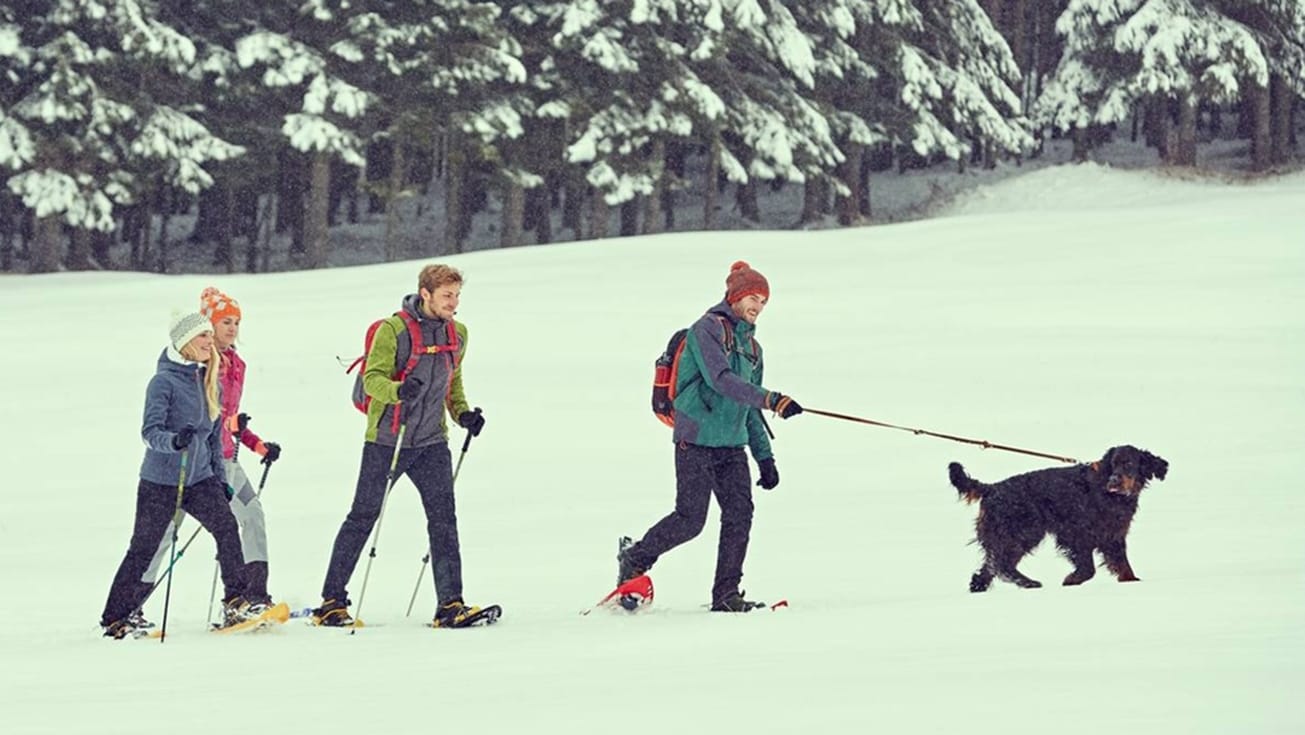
x=206 y=501
x=700 y=472
x=430 y=469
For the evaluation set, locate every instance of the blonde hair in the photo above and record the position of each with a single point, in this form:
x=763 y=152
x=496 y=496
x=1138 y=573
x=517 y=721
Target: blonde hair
x=435 y=275
x=210 y=377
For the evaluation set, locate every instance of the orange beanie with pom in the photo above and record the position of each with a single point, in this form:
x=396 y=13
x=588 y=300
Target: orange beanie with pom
x=743 y=281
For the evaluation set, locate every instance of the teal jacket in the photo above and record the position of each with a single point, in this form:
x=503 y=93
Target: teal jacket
x=718 y=395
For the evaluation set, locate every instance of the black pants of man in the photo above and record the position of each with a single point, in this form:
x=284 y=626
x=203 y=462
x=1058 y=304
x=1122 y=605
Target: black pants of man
x=430 y=469
x=700 y=472
x=206 y=501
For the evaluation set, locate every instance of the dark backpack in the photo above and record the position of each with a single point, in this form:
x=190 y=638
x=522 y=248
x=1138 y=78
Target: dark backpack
x=666 y=372
x=361 y=400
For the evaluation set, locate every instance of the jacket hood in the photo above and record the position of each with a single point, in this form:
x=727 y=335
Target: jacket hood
x=412 y=305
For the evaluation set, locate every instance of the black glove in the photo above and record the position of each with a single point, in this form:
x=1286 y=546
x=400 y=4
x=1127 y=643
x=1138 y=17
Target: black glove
x=242 y=421
x=769 y=475
x=409 y=388
x=183 y=438
x=472 y=421
x=273 y=452
x=784 y=406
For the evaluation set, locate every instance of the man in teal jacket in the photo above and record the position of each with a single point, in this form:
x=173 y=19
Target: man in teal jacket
x=718 y=404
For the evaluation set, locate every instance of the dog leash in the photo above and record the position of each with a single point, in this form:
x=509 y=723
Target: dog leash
x=979 y=442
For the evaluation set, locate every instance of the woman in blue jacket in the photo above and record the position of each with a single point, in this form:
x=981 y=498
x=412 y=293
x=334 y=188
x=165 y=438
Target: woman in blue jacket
x=183 y=447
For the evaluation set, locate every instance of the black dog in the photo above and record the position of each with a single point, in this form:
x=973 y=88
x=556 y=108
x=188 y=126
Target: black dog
x=1087 y=507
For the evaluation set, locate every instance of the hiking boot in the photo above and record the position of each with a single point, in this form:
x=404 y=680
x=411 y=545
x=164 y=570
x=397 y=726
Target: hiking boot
x=333 y=613
x=137 y=620
x=120 y=629
x=627 y=568
x=735 y=603
x=238 y=610
x=454 y=614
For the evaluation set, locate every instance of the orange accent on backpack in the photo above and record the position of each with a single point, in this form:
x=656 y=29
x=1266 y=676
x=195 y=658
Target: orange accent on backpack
x=666 y=372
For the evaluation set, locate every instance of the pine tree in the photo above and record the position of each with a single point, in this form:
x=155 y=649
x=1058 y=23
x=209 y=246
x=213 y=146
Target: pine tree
x=102 y=97
x=1168 y=54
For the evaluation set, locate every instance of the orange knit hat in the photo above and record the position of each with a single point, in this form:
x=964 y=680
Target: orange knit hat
x=743 y=281
x=217 y=306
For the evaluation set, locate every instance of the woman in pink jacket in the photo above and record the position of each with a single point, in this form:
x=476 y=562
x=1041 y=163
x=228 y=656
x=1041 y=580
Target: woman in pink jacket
x=224 y=312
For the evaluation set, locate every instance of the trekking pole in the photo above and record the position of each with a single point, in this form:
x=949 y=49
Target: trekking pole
x=176 y=524
x=392 y=477
x=466 y=444
x=980 y=442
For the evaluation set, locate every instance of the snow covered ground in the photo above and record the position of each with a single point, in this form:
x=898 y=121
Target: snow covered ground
x=1065 y=310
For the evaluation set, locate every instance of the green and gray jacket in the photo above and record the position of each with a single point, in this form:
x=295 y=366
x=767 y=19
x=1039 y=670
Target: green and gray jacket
x=718 y=395
x=441 y=380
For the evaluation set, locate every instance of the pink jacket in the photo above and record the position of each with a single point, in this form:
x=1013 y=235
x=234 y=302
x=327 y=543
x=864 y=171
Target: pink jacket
x=232 y=380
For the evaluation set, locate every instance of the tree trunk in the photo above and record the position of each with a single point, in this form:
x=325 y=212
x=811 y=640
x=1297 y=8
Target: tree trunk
x=711 y=184
x=223 y=229
x=79 y=249
x=863 y=202
x=393 y=187
x=746 y=196
x=514 y=209
x=1261 y=131
x=455 y=174
x=317 y=236
x=266 y=227
x=101 y=245
x=574 y=199
x=290 y=196
x=598 y=215
x=1080 y=153
x=630 y=217
x=47 y=245
x=653 y=219
x=1186 y=132
x=849 y=172
x=8 y=225
x=1282 y=98
x=814 y=192
x=165 y=219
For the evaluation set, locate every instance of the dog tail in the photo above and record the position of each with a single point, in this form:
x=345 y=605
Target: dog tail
x=967 y=487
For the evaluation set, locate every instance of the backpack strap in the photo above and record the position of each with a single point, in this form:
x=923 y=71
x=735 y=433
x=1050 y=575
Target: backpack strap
x=729 y=334
x=414 y=337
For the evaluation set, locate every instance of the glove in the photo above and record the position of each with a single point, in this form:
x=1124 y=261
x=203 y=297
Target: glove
x=242 y=421
x=769 y=475
x=472 y=421
x=183 y=438
x=271 y=452
x=409 y=388
x=784 y=406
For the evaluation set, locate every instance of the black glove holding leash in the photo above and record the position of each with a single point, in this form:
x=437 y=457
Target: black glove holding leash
x=785 y=406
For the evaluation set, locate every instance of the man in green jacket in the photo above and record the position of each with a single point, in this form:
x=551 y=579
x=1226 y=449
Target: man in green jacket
x=718 y=404
x=407 y=416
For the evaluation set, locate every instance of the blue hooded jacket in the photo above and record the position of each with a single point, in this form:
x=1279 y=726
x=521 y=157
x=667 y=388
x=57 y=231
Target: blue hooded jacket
x=174 y=400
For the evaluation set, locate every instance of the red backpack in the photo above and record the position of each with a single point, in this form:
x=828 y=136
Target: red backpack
x=361 y=400
x=666 y=372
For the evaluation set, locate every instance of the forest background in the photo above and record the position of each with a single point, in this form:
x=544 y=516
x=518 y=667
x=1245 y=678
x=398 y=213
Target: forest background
x=196 y=136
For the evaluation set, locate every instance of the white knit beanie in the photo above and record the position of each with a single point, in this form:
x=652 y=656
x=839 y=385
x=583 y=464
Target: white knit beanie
x=187 y=327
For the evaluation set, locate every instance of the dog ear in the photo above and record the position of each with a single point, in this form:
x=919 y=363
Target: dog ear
x=1154 y=466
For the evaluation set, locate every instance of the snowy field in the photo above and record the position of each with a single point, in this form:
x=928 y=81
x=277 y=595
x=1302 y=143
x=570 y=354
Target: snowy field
x=1065 y=310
